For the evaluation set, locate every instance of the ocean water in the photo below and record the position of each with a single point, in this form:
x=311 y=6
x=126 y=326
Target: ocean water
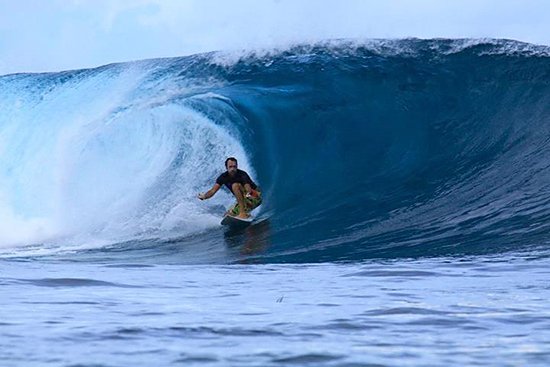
x=479 y=311
x=405 y=221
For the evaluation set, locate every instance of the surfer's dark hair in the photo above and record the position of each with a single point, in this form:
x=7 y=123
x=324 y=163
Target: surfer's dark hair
x=230 y=159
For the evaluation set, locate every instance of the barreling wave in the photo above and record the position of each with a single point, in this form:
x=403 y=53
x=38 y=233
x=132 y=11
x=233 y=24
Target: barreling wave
x=363 y=149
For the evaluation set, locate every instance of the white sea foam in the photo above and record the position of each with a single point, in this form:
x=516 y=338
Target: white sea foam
x=98 y=159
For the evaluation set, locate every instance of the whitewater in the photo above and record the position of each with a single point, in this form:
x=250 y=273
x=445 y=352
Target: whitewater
x=405 y=221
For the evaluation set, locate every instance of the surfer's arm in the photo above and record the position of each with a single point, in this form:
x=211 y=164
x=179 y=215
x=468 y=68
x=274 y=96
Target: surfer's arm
x=210 y=193
x=250 y=192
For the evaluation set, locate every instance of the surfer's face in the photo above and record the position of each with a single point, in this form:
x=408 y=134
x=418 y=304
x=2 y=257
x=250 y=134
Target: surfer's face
x=231 y=167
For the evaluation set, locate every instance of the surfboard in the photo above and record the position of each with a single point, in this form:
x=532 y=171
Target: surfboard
x=231 y=221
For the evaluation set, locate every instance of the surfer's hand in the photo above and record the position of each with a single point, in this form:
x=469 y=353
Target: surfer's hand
x=202 y=196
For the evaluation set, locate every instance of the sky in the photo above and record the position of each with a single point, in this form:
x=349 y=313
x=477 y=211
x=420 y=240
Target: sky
x=54 y=35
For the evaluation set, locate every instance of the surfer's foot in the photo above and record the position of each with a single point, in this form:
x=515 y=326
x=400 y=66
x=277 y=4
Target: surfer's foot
x=243 y=216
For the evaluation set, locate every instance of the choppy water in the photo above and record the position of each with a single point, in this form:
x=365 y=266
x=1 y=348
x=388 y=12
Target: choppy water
x=486 y=311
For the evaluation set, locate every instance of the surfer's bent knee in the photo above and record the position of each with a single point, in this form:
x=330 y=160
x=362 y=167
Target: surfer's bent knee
x=237 y=187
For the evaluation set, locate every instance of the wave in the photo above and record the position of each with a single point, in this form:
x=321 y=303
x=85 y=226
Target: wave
x=379 y=148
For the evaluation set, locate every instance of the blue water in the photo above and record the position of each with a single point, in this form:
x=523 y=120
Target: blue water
x=486 y=311
x=405 y=220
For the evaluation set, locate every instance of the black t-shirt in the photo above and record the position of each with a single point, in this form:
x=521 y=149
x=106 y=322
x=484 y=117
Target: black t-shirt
x=240 y=177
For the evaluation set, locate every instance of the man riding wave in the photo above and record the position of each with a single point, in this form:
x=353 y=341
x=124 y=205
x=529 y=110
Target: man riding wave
x=241 y=185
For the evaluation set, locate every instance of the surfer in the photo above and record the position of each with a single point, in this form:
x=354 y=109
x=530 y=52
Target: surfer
x=241 y=185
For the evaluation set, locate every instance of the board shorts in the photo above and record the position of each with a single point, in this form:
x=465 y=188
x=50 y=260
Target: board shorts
x=251 y=203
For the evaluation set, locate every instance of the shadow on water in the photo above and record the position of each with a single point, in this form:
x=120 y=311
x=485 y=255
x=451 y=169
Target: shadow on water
x=250 y=240
x=220 y=245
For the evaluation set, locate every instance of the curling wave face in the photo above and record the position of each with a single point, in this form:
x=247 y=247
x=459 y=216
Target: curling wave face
x=373 y=149
x=95 y=157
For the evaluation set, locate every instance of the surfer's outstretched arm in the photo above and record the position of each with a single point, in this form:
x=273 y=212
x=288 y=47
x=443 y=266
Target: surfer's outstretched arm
x=210 y=193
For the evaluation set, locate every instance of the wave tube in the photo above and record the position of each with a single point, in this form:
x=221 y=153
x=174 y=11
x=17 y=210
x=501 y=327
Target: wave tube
x=363 y=149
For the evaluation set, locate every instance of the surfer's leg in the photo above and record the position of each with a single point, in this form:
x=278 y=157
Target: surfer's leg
x=253 y=203
x=238 y=191
x=254 y=200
